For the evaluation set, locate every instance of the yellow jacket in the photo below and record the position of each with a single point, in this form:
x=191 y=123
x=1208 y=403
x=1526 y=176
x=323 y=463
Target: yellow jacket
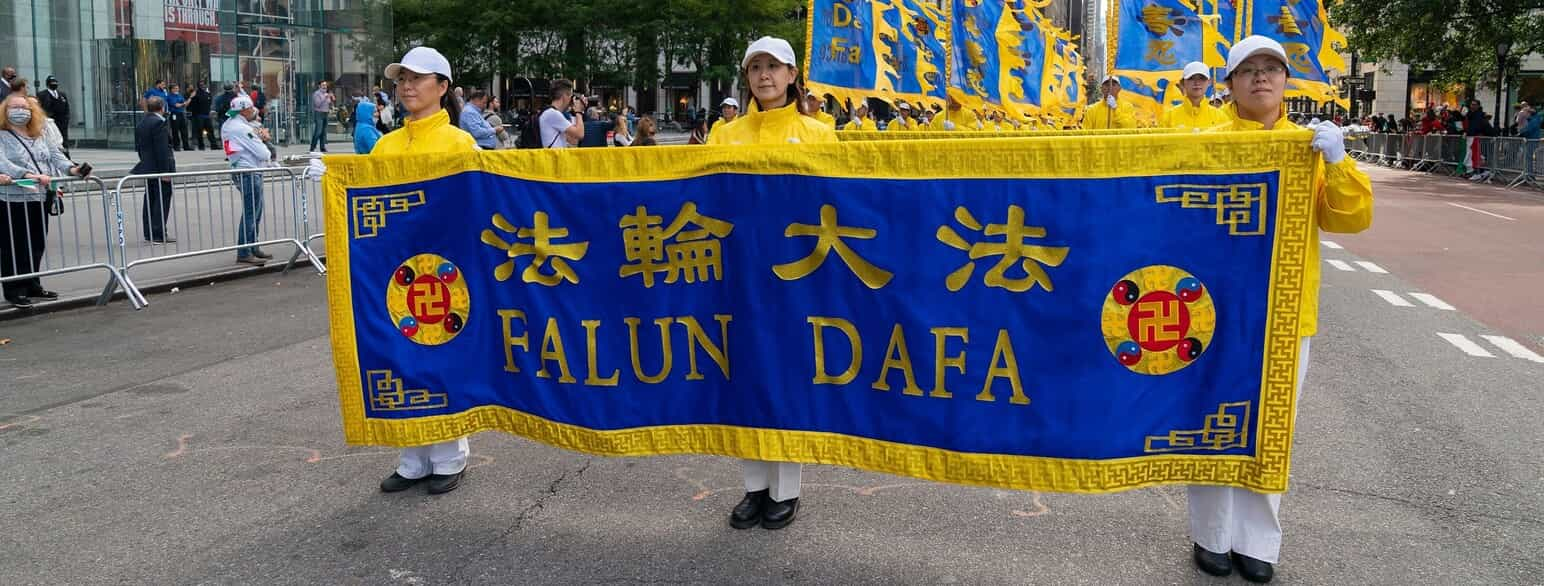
x=1343 y=204
x=826 y=118
x=1098 y=116
x=907 y=123
x=963 y=120
x=719 y=124
x=430 y=135
x=860 y=124
x=784 y=124
x=1202 y=117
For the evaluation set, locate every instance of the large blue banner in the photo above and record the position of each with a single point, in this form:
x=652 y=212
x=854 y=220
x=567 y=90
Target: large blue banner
x=1079 y=313
x=842 y=50
x=976 y=58
x=1156 y=35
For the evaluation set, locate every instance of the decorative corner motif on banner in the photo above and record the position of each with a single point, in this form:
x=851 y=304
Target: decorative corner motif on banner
x=387 y=394
x=1226 y=429
x=370 y=211
x=1240 y=207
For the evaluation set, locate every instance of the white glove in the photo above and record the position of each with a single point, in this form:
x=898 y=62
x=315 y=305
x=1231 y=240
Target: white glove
x=1330 y=141
x=315 y=169
x=1110 y=101
x=948 y=125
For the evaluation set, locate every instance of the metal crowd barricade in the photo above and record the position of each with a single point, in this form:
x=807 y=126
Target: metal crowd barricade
x=202 y=213
x=310 y=183
x=81 y=239
x=1358 y=145
x=1531 y=161
x=1452 y=153
x=1390 y=152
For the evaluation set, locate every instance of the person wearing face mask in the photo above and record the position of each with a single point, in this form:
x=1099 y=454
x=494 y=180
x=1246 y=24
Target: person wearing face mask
x=423 y=88
x=773 y=117
x=1110 y=111
x=26 y=157
x=246 y=147
x=1195 y=112
x=57 y=106
x=1235 y=528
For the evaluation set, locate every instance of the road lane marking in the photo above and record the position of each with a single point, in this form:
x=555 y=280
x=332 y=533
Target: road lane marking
x=1432 y=301
x=1371 y=268
x=1340 y=264
x=1511 y=346
x=1393 y=298
x=1467 y=346
x=1332 y=245
x=1481 y=211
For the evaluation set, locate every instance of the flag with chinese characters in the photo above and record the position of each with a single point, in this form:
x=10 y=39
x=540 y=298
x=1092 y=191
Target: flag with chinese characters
x=1150 y=43
x=842 y=54
x=913 y=51
x=1313 y=47
x=1084 y=312
x=975 y=72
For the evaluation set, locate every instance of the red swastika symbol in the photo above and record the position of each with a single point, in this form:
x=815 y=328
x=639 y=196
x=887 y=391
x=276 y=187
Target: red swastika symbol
x=428 y=299
x=1158 y=321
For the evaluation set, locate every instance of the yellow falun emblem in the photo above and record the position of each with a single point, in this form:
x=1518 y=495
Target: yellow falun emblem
x=1158 y=319
x=428 y=299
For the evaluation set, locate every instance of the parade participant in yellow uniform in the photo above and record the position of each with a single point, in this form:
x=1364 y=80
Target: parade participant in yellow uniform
x=956 y=117
x=728 y=110
x=903 y=119
x=1110 y=111
x=814 y=107
x=771 y=488
x=423 y=88
x=860 y=119
x=1235 y=528
x=1196 y=112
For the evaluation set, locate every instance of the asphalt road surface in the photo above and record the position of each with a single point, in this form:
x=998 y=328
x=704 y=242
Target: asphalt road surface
x=198 y=441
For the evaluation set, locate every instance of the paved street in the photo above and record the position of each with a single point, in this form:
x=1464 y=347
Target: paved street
x=198 y=441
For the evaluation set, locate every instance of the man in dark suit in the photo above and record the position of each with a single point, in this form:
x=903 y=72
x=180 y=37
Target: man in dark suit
x=57 y=106
x=153 y=144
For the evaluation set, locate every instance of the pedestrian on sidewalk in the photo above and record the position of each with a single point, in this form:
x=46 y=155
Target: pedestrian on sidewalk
x=198 y=116
x=57 y=106
x=1235 y=528
x=365 y=132
x=222 y=104
x=246 y=147
x=556 y=130
x=423 y=87
x=153 y=144
x=1531 y=130
x=26 y=157
x=321 y=104
x=177 y=108
x=6 y=75
x=773 y=117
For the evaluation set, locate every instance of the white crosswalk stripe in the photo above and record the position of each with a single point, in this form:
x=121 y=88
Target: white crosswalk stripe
x=1393 y=298
x=1331 y=245
x=1340 y=264
x=1512 y=347
x=1371 y=268
x=1466 y=345
x=1432 y=301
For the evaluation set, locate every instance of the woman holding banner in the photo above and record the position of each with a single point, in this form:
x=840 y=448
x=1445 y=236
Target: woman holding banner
x=771 y=72
x=1233 y=527
x=423 y=88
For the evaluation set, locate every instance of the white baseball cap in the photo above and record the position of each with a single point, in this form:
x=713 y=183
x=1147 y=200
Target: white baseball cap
x=1255 y=45
x=730 y=102
x=903 y=106
x=240 y=103
x=420 y=60
x=779 y=49
x=1195 y=68
x=1110 y=78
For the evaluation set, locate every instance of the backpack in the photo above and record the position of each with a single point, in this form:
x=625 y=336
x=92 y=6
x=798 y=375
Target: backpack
x=530 y=131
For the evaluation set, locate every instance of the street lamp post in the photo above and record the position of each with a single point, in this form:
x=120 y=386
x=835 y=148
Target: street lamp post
x=1503 y=49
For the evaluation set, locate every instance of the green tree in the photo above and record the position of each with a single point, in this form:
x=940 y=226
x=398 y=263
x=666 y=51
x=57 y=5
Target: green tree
x=1457 y=40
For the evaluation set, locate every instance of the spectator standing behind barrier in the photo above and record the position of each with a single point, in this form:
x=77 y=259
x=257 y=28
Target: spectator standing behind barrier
x=385 y=114
x=596 y=126
x=246 y=148
x=157 y=90
x=1520 y=119
x=27 y=165
x=57 y=106
x=473 y=122
x=198 y=117
x=153 y=144
x=557 y=131
x=1531 y=130
x=6 y=75
x=495 y=120
x=646 y=130
x=365 y=132
x=176 y=108
x=321 y=104
x=222 y=104
x=622 y=136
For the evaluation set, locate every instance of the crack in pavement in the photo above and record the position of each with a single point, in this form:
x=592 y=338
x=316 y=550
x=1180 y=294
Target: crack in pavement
x=552 y=490
x=1427 y=506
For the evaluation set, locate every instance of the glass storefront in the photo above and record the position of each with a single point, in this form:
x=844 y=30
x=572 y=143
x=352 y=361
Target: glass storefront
x=106 y=53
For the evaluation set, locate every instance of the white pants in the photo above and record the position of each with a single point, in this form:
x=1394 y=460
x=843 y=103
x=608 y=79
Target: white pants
x=441 y=458
x=1224 y=518
x=780 y=479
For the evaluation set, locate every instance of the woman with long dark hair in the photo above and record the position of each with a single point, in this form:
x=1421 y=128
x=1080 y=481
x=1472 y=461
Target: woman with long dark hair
x=423 y=88
x=772 y=74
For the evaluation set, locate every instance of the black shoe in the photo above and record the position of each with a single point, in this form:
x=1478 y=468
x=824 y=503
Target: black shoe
x=778 y=515
x=443 y=483
x=1252 y=569
x=43 y=294
x=748 y=513
x=1216 y=564
x=260 y=254
x=250 y=260
x=19 y=301
x=396 y=483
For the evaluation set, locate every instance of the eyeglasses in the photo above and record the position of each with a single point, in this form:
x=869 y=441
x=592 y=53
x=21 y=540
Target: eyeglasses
x=1267 y=71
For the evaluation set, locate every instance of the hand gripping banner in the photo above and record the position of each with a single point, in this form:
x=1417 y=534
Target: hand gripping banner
x=1085 y=313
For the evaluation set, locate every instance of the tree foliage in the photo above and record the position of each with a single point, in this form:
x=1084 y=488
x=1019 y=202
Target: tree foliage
x=1455 y=39
x=601 y=42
